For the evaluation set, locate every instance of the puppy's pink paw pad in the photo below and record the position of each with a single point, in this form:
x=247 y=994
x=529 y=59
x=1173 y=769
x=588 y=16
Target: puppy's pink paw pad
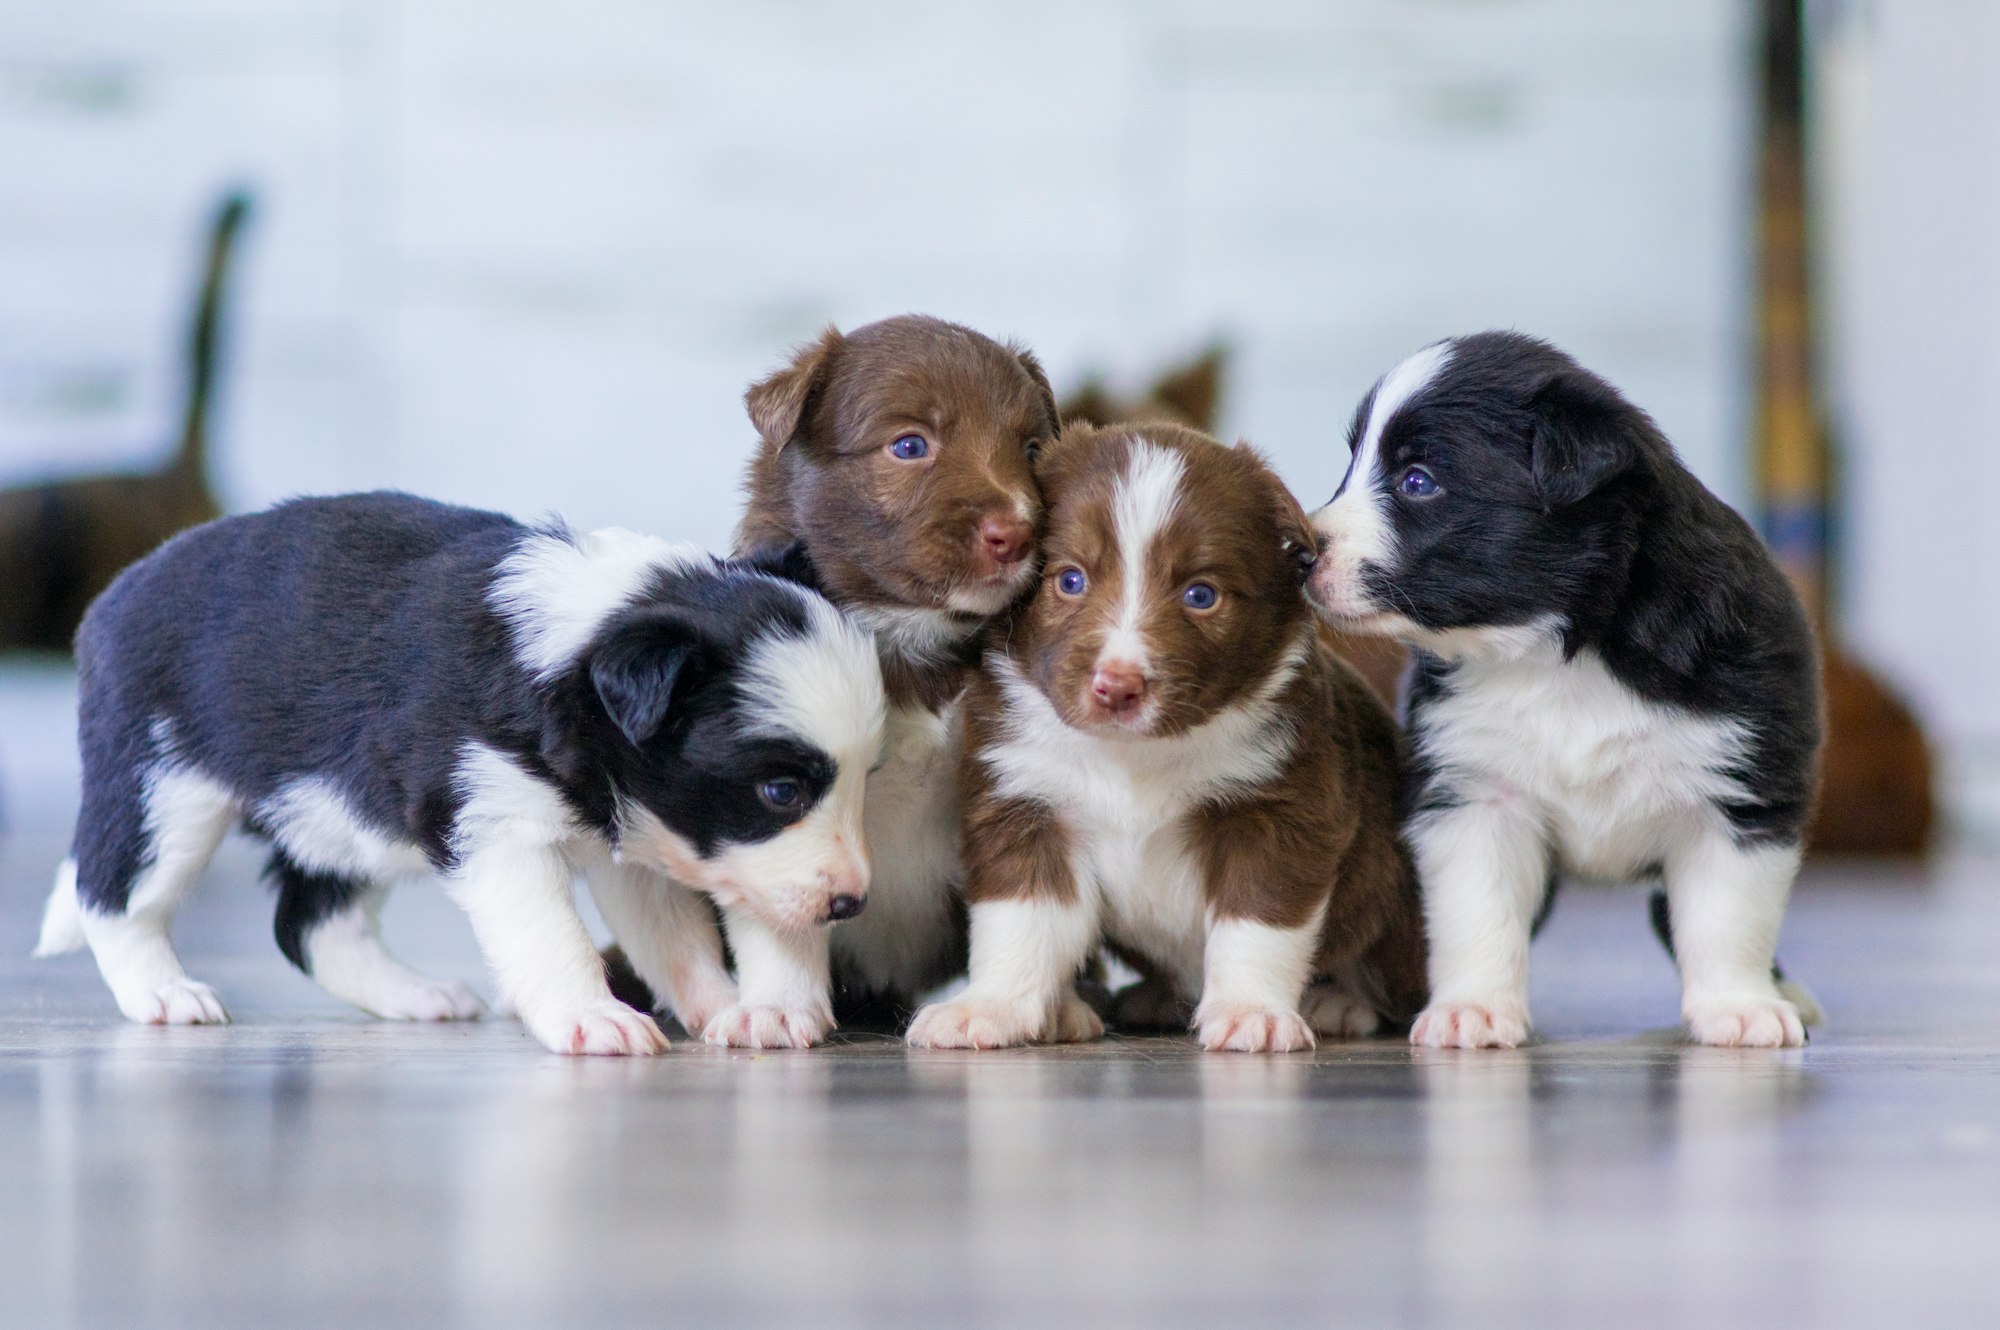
x=1468 y=1025
x=741 y=1026
x=178 y=1002
x=965 y=1025
x=608 y=1029
x=1256 y=1030
x=1748 y=1023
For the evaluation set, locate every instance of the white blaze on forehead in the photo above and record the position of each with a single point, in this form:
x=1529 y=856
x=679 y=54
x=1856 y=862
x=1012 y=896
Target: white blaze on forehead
x=823 y=686
x=1356 y=523
x=556 y=591
x=1145 y=500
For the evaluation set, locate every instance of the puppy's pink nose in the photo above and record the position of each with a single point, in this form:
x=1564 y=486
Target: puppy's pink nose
x=1004 y=537
x=1118 y=687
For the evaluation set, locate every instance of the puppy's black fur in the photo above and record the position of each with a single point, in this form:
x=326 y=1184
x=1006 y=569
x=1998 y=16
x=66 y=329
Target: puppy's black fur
x=354 y=639
x=1586 y=514
x=1611 y=677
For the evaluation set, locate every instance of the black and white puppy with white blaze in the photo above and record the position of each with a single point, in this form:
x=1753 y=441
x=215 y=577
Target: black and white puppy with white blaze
x=1612 y=679
x=381 y=687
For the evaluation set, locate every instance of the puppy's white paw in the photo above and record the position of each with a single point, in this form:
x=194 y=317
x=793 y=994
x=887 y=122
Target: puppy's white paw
x=1337 y=1014
x=180 y=1001
x=975 y=1024
x=607 y=1028
x=1744 y=1022
x=426 y=1000
x=1469 y=1025
x=1075 y=1022
x=739 y=1026
x=1240 y=1029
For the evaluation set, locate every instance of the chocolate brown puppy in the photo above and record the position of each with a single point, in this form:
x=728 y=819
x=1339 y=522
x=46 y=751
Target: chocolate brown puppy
x=1162 y=755
x=895 y=462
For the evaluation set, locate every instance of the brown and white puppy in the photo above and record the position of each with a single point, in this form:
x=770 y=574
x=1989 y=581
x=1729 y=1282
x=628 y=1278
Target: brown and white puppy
x=1161 y=755
x=896 y=460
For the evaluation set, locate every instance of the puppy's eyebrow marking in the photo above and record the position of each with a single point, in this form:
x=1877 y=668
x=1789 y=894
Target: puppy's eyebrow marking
x=1398 y=386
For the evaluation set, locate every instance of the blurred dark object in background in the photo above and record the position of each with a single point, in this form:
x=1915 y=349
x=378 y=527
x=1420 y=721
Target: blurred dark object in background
x=1876 y=792
x=1186 y=394
x=62 y=541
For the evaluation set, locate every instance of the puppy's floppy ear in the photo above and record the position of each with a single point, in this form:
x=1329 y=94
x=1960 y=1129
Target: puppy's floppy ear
x=640 y=665
x=778 y=402
x=1296 y=538
x=1585 y=434
x=1033 y=365
x=787 y=561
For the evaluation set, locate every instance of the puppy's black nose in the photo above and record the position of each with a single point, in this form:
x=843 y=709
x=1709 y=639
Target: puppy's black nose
x=844 y=907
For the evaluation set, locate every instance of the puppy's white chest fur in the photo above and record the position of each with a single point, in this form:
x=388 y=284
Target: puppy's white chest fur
x=1615 y=778
x=911 y=821
x=1125 y=804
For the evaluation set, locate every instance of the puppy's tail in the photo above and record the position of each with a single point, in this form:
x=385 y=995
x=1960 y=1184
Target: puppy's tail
x=1794 y=992
x=62 y=917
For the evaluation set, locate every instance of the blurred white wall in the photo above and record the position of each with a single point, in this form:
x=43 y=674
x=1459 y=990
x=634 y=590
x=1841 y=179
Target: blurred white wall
x=1910 y=125
x=528 y=255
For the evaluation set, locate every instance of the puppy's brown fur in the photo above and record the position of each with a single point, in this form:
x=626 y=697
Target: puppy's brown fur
x=1279 y=771
x=900 y=542
x=924 y=551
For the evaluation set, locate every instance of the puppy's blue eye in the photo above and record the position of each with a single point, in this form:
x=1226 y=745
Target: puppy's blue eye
x=779 y=793
x=1071 y=581
x=910 y=447
x=1417 y=483
x=1199 y=596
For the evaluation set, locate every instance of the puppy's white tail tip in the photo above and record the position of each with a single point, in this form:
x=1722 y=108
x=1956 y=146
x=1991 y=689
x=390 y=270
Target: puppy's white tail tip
x=1801 y=997
x=62 y=917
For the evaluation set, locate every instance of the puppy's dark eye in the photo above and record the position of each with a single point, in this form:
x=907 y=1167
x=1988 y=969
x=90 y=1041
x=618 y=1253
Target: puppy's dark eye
x=1200 y=596
x=910 y=447
x=782 y=795
x=1417 y=483
x=1071 y=582
x=1033 y=449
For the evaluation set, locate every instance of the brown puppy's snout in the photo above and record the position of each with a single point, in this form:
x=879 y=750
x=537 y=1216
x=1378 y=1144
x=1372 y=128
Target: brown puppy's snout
x=1117 y=687
x=1004 y=538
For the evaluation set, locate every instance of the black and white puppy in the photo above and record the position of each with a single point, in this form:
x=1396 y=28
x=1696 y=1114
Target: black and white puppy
x=1611 y=679
x=381 y=686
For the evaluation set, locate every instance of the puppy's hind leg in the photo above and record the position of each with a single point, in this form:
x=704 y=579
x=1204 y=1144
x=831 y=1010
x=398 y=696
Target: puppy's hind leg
x=329 y=927
x=129 y=885
x=1728 y=902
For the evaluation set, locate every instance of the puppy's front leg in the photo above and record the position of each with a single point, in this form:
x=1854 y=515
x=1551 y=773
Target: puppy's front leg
x=524 y=914
x=1484 y=866
x=1728 y=901
x=1253 y=975
x=1024 y=957
x=784 y=984
x=1032 y=924
x=670 y=937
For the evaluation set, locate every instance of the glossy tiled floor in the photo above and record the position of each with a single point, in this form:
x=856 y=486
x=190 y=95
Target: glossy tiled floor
x=306 y=1167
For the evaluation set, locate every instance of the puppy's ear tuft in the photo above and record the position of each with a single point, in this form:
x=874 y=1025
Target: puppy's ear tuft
x=1033 y=365
x=637 y=669
x=1585 y=435
x=778 y=403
